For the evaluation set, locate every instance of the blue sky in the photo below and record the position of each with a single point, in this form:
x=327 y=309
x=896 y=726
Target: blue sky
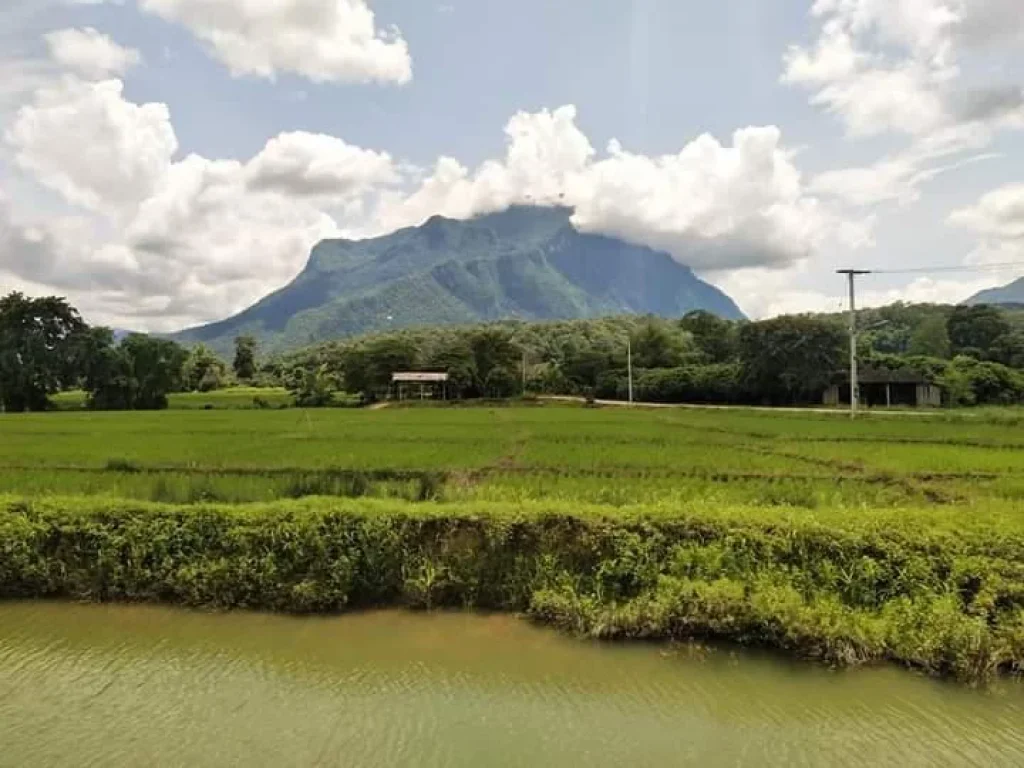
x=166 y=162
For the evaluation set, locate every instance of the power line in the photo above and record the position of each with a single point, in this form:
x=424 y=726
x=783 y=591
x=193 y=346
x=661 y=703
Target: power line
x=949 y=268
x=853 y=274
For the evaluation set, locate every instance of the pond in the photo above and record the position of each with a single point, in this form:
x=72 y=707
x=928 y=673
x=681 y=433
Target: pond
x=104 y=685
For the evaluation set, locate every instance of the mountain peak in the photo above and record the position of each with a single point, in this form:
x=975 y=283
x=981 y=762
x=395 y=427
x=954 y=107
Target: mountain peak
x=525 y=261
x=1013 y=293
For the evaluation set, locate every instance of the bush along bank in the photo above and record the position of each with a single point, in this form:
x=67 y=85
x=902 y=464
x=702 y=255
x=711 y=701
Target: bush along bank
x=860 y=589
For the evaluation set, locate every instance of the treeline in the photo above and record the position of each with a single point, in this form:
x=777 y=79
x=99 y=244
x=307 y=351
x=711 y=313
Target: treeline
x=975 y=354
x=46 y=347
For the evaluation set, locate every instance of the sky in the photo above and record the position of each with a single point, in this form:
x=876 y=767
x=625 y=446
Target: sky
x=165 y=163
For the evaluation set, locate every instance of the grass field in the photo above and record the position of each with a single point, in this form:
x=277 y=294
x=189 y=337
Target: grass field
x=887 y=537
x=606 y=456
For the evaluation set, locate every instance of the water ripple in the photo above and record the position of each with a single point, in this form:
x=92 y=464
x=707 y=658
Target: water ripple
x=134 y=685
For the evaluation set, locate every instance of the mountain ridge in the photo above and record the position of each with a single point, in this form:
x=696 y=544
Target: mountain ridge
x=523 y=262
x=1011 y=293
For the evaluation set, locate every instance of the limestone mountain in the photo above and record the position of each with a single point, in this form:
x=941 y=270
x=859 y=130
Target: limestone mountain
x=525 y=262
x=1008 y=294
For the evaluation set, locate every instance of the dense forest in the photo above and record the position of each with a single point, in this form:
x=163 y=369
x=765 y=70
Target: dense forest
x=974 y=353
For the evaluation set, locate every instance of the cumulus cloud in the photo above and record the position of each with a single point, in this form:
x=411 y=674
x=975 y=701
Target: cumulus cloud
x=998 y=220
x=195 y=238
x=159 y=241
x=983 y=23
x=893 y=65
x=90 y=53
x=712 y=206
x=88 y=143
x=192 y=238
x=302 y=164
x=322 y=40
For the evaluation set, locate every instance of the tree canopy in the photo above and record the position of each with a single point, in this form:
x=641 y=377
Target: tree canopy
x=976 y=354
x=40 y=349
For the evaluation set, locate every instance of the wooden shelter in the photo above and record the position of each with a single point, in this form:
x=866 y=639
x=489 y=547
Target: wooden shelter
x=886 y=387
x=425 y=385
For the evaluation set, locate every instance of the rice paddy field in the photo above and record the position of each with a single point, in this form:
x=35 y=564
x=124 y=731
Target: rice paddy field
x=611 y=457
x=893 y=537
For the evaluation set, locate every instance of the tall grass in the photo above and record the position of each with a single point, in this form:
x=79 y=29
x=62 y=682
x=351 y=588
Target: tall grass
x=914 y=586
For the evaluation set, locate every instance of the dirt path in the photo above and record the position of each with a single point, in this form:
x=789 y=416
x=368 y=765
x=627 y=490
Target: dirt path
x=771 y=409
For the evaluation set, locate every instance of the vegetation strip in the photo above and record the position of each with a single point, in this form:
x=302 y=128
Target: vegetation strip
x=916 y=586
x=502 y=469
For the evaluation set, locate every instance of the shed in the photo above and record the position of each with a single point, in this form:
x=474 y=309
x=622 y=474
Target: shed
x=886 y=387
x=433 y=383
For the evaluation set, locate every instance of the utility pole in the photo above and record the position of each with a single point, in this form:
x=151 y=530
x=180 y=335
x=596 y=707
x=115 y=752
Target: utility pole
x=524 y=372
x=629 y=366
x=851 y=275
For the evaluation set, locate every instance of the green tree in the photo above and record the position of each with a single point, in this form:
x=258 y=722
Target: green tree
x=105 y=374
x=138 y=374
x=38 y=341
x=203 y=370
x=454 y=356
x=312 y=388
x=1008 y=349
x=501 y=382
x=989 y=383
x=656 y=346
x=791 y=358
x=367 y=369
x=492 y=348
x=585 y=366
x=244 y=363
x=974 y=330
x=714 y=337
x=355 y=372
x=930 y=338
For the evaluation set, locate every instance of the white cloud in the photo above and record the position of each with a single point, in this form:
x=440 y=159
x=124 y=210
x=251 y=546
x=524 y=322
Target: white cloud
x=929 y=290
x=323 y=40
x=210 y=246
x=88 y=143
x=998 y=220
x=898 y=67
x=90 y=53
x=999 y=214
x=988 y=22
x=764 y=293
x=171 y=242
x=712 y=206
x=176 y=241
x=833 y=58
x=899 y=177
x=303 y=164
x=893 y=65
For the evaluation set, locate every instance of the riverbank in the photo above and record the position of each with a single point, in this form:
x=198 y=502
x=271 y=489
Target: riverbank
x=938 y=589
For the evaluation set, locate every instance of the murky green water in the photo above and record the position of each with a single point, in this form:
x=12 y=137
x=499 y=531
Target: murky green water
x=127 y=686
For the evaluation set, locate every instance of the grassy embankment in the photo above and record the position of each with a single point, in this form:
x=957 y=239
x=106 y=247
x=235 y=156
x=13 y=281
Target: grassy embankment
x=232 y=398
x=850 y=542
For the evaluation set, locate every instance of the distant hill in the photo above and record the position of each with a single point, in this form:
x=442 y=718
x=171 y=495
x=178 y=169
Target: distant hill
x=1008 y=294
x=525 y=262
